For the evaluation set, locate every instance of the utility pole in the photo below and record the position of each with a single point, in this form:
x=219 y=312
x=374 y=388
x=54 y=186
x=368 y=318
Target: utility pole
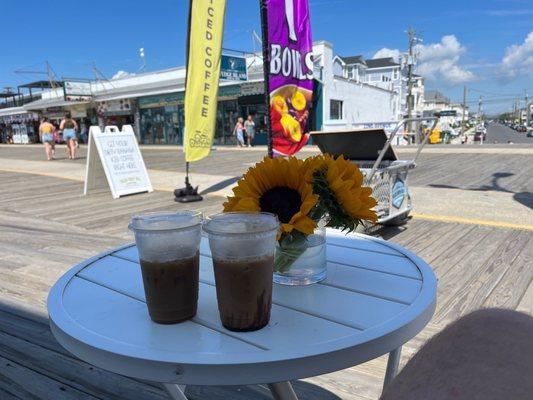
x=479 y=111
x=463 y=125
x=528 y=112
x=410 y=62
x=525 y=108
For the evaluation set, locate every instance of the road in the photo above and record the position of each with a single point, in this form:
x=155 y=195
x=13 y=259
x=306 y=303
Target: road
x=503 y=134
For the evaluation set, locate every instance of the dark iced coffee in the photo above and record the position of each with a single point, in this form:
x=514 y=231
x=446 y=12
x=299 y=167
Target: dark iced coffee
x=168 y=244
x=242 y=246
x=171 y=289
x=244 y=292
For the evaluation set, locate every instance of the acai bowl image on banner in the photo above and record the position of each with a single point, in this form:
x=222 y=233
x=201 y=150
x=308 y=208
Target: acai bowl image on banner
x=290 y=79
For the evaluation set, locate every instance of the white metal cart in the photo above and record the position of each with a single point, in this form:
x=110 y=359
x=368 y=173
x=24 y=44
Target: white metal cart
x=385 y=173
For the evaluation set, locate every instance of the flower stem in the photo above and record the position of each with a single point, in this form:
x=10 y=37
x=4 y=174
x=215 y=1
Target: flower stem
x=286 y=256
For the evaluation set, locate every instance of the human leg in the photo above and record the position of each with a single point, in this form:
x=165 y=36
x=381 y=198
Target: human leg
x=48 y=151
x=72 y=148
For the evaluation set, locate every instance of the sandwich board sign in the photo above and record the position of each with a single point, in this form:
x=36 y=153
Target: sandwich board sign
x=114 y=156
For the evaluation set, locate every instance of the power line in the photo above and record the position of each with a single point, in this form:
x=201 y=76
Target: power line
x=495 y=94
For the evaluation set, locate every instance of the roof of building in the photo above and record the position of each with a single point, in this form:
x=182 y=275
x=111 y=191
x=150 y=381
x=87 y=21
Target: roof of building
x=434 y=96
x=381 y=63
x=42 y=85
x=353 y=59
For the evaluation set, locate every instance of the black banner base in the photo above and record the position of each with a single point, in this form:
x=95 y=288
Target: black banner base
x=188 y=194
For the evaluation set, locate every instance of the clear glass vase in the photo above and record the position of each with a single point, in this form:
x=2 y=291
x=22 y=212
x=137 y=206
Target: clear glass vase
x=302 y=264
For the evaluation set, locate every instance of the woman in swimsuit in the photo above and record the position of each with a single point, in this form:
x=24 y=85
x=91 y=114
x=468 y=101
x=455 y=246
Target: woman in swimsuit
x=47 y=137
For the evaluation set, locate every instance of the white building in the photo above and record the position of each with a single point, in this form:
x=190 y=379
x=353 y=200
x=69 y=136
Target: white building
x=347 y=99
x=384 y=73
x=451 y=113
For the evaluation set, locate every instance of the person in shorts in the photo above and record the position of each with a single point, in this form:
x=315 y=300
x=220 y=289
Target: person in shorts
x=46 y=130
x=69 y=127
x=238 y=131
x=249 y=126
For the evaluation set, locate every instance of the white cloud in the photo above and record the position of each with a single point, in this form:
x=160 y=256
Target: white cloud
x=122 y=74
x=518 y=59
x=509 y=13
x=437 y=61
x=440 y=61
x=385 y=52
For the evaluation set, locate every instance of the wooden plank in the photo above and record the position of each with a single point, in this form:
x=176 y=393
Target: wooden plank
x=512 y=287
x=28 y=384
x=17 y=324
x=74 y=373
x=465 y=251
x=478 y=281
x=4 y=395
x=421 y=242
x=448 y=242
x=526 y=302
x=492 y=273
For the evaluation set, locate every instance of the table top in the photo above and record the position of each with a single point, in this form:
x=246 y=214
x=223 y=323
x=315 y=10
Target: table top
x=376 y=297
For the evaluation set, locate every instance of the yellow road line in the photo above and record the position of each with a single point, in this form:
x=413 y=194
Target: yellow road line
x=472 y=221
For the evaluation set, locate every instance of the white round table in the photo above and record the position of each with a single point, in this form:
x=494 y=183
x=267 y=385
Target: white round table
x=377 y=296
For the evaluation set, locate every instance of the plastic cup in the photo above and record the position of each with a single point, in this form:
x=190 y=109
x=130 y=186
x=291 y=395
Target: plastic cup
x=242 y=246
x=168 y=244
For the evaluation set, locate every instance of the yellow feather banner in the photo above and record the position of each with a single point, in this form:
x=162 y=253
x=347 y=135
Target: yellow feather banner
x=206 y=27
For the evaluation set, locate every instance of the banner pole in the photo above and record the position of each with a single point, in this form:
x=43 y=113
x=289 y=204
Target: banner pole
x=188 y=193
x=266 y=71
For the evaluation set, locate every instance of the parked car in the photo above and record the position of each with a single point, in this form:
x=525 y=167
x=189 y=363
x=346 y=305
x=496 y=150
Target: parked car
x=529 y=133
x=521 y=128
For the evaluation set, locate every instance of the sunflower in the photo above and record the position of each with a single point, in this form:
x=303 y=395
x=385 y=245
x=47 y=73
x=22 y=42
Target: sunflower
x=277 y=186
x=338 y=182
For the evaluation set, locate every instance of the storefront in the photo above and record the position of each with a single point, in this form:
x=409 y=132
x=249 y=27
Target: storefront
x=18 y=126
x=162 y=119
x=116 y=112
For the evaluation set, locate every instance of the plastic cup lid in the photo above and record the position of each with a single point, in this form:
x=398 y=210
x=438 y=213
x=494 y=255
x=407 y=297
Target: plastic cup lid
x=162 y=221
x=241 y=223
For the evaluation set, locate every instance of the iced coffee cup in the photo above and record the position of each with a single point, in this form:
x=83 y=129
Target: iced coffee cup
x=242 y=247
x=168 y=244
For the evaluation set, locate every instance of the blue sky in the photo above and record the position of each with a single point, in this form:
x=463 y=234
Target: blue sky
x=483 y=44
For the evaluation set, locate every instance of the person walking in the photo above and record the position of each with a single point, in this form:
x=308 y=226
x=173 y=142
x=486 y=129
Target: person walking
x=249 y=126
x=69 y=127
x=84 y=131
x=47 y=138
x=238 y=131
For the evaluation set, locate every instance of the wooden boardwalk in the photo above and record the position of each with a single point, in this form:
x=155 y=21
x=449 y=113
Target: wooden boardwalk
x=47 y=226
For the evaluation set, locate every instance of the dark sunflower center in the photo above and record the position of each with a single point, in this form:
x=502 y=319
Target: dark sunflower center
x=282 y=201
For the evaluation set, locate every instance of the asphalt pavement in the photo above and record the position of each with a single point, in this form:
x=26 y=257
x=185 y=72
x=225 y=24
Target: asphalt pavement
x=502 y=134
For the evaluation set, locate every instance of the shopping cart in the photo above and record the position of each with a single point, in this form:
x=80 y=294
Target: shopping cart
x=371 y=150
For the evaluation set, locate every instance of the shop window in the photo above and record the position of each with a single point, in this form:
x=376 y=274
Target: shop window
x=335 y=109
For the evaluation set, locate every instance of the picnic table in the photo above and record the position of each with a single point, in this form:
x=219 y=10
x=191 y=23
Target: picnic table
x=377 y=296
